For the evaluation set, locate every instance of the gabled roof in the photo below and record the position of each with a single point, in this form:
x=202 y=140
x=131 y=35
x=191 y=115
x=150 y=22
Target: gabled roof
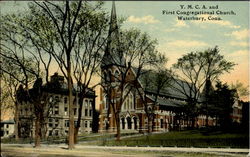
x=172 y=90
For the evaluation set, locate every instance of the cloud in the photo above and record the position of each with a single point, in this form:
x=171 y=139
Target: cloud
x=222 y=22
x=185 y=43
x=241 y=34
x=170 y=30
x=236 y=43
x=149 y=19
x=239 y=53
x=180 y=23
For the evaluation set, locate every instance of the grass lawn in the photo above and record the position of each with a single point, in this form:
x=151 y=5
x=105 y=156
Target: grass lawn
x=192 y=138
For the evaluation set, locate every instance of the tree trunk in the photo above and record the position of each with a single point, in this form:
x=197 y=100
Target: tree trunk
x=118 y=134
x=150 y=124
x=71 y=109
x=76 y=134
x=78 y=125
x=38 y=130
x=17 y=122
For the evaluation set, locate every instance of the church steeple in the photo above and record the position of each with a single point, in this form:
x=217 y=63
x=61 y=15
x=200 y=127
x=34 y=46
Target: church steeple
x=113 y=54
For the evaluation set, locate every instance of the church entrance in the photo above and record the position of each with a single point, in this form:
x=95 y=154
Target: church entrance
x=129 y=122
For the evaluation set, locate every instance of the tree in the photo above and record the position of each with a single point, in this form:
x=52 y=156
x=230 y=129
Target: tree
x=127 y=53
x=154 y=82
x=24 y=52
x=223 y=100
x=194 y=69
x=86 y=60
x=63 y=23
x=16 y=69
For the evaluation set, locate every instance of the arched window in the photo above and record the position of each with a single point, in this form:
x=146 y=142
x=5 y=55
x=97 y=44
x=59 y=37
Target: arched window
x=128 y=102
x=135 y=123
x=116 y=75
x=123 y=123
x=105 y=102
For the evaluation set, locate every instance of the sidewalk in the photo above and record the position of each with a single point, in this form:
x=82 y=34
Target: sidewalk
x=179 y=149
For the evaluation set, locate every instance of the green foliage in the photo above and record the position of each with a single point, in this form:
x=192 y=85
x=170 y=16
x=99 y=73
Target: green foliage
x=195 y=69
x=223 y=100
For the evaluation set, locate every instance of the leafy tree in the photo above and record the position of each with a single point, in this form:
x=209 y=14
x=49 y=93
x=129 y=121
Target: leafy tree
x=126 y=51
x=23 y=51
x=195 y=69
x=86 y=59
x=223 y=100
x=58 y=26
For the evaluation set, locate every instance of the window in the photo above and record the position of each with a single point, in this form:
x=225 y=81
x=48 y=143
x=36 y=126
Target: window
x=116 y=75
x=161 y=123
x=86 y=112
x=105 y=102
x=86 y=124
x=90 y=113
x=90 y=124
x=57 y=99
x=56 y=122
x=7 y=126
x=50 y=132
x=65 y=111
x=86 y=103
x=56 y=110
x=7 y=132
x=66 y=123
x=65 y=100
x=50 y=122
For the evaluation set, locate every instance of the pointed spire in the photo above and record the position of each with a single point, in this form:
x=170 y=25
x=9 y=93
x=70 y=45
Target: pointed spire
x=112 y=56
x=113 y=27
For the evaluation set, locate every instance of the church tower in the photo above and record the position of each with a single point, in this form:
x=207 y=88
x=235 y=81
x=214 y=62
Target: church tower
x=112 y=61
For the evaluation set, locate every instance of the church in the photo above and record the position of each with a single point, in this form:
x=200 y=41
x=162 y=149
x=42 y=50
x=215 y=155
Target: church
x=132 y=113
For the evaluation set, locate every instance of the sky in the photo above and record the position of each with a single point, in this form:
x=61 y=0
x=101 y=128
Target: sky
x=177 y=37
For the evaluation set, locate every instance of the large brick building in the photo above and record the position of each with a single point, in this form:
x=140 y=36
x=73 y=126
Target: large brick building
x=56 y=113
